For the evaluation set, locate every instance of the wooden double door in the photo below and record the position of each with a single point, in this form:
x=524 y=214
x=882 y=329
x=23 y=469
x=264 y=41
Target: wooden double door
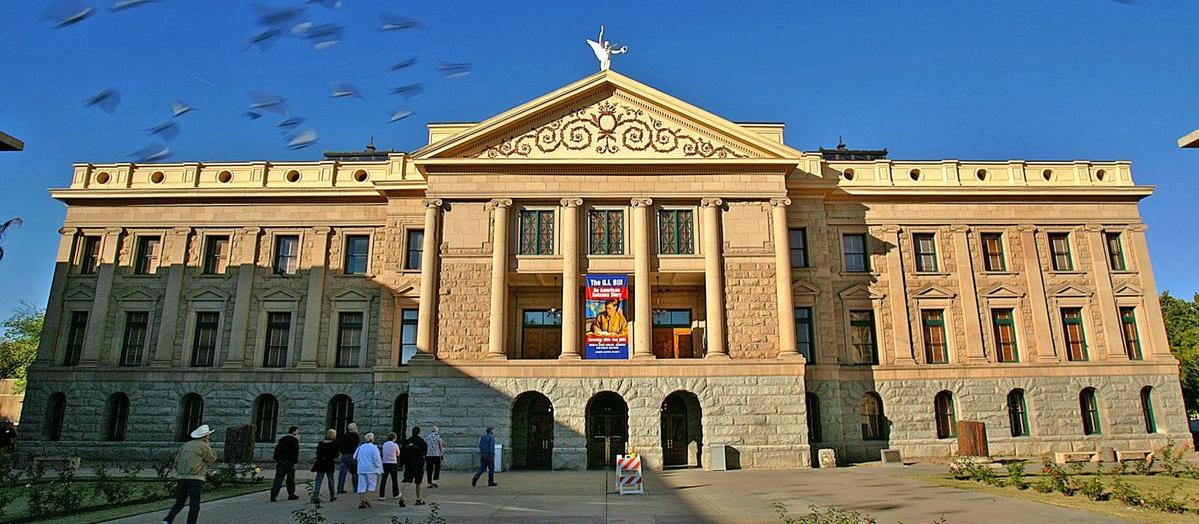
x=540 y=334
x=533 y=432
x=607 y=429
x=671 y=342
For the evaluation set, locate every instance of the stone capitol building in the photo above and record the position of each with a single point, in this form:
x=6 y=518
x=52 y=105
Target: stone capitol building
x=779 y=301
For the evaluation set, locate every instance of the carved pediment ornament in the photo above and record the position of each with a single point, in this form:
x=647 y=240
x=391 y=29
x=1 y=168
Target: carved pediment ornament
x=608 y=128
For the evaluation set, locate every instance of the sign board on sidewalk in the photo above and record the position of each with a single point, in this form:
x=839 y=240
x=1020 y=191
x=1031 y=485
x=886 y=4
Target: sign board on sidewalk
x=628 y=475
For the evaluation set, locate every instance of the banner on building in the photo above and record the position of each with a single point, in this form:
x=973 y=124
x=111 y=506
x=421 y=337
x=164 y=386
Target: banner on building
x=607 y=327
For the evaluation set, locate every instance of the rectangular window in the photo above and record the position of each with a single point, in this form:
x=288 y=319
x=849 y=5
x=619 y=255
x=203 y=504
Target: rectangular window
x=926 y=252
x=287 y=254
x=409 y=319
x=936 y=347
x=675 y=318
x=1115 y=252
x=1076 y=340
x=134 y=342
x=799 y=247
x=1059 y=250
x=1128 y=327
x=349 y=339
x=415 y=249
x=145 y=259
x=607 y=232
x=216 y=255
x=358 y=254
x=856 y=260
x=536 y=232
x=676 y=232
x=278 y=336
x=993 y=259
x=861 y=336
x=204 y=341
x=75 y=337
x=804 y=333
x=89 y=256
x=1004 y=323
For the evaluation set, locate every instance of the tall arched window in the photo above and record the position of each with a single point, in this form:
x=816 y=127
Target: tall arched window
x=873 y=421
x=1017 y=413
x=118 y=417
x=1089 y=407
x=56 y=411
x=813 y=405
x=191 y=412
x=1147 y=409
x=946 y=418
x=266 y=418
x=341 y=413
x=399 y=415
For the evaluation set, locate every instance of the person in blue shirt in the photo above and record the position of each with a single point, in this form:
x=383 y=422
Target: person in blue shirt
x=486 y=458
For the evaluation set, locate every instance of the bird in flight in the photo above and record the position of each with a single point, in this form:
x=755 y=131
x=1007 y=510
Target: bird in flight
x=68 y=13
x=409 y=91
x=121 y=5
x=151 y=153
x=179 y=108
x=167 y=130
x=108 y=100
x=454 y=70
x=302 y=139
x=343 y=90
x=401 y=65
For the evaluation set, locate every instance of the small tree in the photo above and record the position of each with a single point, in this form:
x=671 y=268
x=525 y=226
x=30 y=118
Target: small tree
x=19 y=340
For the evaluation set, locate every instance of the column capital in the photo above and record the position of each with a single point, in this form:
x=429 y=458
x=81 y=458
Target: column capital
x=1092 y=228
x=322 y=230
x=780 y=202
x=181 y=231
x=68 y=231
x=891 y=230
x=113 y=230
x=501 y=203
x=571 y=202
x=251 y=230
x=1138 y=228
x=710 y=202
x=958 y=228
x=432 y=202
x=641 y=202
x=1026 y=228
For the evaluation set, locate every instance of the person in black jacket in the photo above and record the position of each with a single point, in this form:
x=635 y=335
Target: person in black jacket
x=347 y=444
x=325 y=464
x=412 y=457
x=287 y=454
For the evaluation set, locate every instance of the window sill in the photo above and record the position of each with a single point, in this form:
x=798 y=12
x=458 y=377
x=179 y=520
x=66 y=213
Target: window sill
x=355 y=275
x=1123 y=272
x=212 y=275
x=856 y=274
x=678 y=255
x=1001 y=273
x=608 y=255
x=931 y=274
x=410 y=271
x=1066 y=273
x=144 y=276
x=548 y=256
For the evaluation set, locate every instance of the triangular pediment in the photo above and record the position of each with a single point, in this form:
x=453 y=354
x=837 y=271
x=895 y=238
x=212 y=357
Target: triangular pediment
x=803 y=287
x=137 y=295
x=933 y=291
x=606 y=116
x=79 y=294
x=280 y=295
x=1128 y=290
x=1002 y=291
x=861 y=292
x=351 y=295
x=207 y=295
x=1070 y=291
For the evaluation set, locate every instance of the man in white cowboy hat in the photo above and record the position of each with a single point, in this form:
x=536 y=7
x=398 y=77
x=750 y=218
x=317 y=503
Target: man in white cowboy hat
x=191 y=467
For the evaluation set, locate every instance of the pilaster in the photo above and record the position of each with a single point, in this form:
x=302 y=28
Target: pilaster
x=318 y=257
x=1160 y=346
x=110 y=246
x=174 y=257
x=901 y=327
x=244 y=252
x=975 y=354
x=48 y=344
x=1047 y=350
x=1104 y=295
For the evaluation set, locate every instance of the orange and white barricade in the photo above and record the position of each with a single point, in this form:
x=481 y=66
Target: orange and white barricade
x=629 y=480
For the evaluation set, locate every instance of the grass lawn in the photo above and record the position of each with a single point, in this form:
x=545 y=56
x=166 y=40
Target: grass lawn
x=18 y=510
x=1188 y=491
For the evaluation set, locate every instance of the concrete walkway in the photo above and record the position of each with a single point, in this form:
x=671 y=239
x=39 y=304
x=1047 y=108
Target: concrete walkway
x=683 y=496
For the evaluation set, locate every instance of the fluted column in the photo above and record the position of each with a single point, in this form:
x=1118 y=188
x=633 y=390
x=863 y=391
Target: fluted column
x=174 y=258
x=642 y=305
x=48 y=345
x=570 y=278
x=713 y=278
x=782 y=278
x=499 y=279
x=110 y=248
x=427 y=312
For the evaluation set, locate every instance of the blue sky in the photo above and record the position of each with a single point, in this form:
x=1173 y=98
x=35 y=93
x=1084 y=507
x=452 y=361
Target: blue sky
x=1082 y=79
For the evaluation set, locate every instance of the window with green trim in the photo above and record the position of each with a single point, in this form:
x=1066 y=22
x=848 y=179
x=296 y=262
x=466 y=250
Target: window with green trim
x=1089 y=406
x=1072 y=329
x=926 y=252
x=856 y=259
x=536 y=232
x=607 y=232
x=993 y=259
x=1128 y=328
x=804 y=333
x=1017 y=413
x=861 y=336
x=676 y=232
x=1059 y=251
x=1115 y=252
x=936 y=347
x=798 y=239
x=1004 y=323
x=1147 y=409
x=946 y=418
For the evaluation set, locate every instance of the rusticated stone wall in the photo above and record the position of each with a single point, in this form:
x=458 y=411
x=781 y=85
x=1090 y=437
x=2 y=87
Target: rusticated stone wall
x=463 y=309
x=751 y=310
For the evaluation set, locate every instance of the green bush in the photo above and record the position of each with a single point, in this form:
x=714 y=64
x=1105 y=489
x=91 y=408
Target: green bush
x=1015 y=474
x=1167 y=501
x=1055 y=478
x=1093 y=489
x=1124 y=492
x=239 y=444
x=817 y=516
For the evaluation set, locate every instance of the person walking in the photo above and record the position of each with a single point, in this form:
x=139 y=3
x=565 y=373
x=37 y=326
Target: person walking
x=325 y=464
x=486 y=458
x=391 y=468
x=191 y=468
x=287 y=454
x=370 y=465
x=412 y=454
x=347 y=444
x=433 y=457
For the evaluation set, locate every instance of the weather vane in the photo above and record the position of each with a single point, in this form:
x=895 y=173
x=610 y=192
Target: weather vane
x=604 y=50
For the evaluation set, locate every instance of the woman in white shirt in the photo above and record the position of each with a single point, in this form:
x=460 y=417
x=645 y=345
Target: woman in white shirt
x=391 y=455
x=370 y=465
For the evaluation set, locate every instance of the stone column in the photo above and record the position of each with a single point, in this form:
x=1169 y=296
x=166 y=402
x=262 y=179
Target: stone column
x=174 y=258
x=571 y=309
x=1046 y=348
x=1152 y=321
x=110 y=247
x=713 y=278
x=243 y=254
x=782 y=278
x=975 y=354
x=1104 y=294
x=317 y=255
x=496 y=339
x=901 y=325
x=427 y=312
x=48 y=344
x=642 y=305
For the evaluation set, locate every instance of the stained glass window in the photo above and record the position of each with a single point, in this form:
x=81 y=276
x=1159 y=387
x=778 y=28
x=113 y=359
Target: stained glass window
x=536 y=232
x=676 y=232
x=607 y=232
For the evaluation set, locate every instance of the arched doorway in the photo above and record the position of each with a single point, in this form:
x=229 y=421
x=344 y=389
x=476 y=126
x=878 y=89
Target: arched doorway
x=532 y=431
x=681 y=428
x=607 y=429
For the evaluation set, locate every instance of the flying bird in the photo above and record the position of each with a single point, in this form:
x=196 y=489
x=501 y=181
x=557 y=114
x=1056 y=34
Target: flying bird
x=409 y=91
x=394 y=23
x=108 y=100
x=252 y=115
x=323 y=36
x=401 y=65
x=344 y=89
x=179 y=108
x=290 y=123
x=330 y=4
x=167 y=130
x=277 y=17
x=399 y=114
x=68 y=13
x=151 y=153
x=302 y=139
x=454 y=70
x=267 y=102
x=121 y=5
x=265 y=39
